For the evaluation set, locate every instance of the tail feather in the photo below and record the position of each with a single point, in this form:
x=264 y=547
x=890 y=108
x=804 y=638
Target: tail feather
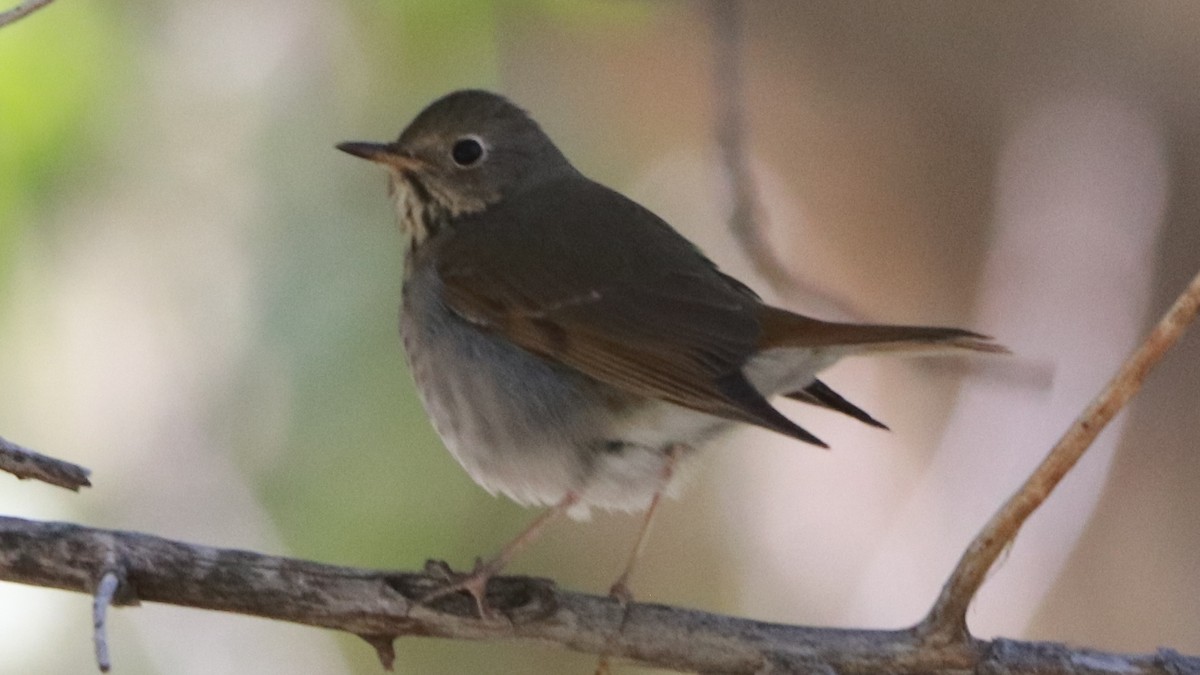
x=819 y=394
x=781 y=328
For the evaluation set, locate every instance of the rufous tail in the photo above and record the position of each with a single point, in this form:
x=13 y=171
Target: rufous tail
x=781 y=328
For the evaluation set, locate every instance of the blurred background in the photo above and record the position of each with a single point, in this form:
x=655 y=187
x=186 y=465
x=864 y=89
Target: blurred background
x=198 y=301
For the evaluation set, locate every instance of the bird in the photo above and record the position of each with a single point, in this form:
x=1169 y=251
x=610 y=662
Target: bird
x=571 y=348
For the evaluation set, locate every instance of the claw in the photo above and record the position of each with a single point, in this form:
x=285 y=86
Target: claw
x=620 y=592
x=474 y=583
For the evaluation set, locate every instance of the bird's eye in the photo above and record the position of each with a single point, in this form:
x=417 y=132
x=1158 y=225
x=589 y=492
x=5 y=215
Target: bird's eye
x=467 y=151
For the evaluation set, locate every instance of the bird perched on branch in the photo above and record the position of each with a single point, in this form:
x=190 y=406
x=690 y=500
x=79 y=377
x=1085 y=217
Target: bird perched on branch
x=570 y=347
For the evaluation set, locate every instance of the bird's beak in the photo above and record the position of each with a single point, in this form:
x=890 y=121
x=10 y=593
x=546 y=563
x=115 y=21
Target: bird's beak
x=386 y=154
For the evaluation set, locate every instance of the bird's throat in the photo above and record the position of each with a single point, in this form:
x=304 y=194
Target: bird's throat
x=416 y=210
x=423 y=206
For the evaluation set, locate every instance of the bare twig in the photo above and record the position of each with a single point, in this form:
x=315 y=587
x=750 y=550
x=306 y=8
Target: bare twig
x=106 y=590
x=380 y=606
x=947 y=620
x=746 y=215
x=743 y=220
x=21 y=11
x=24 y=463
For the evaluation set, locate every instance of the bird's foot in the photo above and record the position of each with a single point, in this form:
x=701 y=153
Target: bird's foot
x=474 y=583
x=620 y=592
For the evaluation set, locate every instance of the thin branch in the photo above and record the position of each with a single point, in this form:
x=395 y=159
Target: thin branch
x=745 y=217
x=380 y=606
x=727 y=75
x=947 y=620
x=24 y=463
x=21 y=11
x=106 y=590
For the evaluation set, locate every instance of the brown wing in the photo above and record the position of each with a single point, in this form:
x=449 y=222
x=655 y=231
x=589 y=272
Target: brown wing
x=614 y=293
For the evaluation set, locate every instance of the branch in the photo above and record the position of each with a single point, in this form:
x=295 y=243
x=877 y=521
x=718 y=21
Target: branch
x=24 y=463
x=743 y=220
x=106 y=591
x=947 y=620
x=380 y=606
x=21 y=11
x=745 y=217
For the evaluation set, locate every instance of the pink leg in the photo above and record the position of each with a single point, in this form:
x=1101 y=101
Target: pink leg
x=620 y=588
x=475 y=583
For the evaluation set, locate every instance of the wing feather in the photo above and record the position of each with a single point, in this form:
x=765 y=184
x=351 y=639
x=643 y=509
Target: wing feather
x=615 y=294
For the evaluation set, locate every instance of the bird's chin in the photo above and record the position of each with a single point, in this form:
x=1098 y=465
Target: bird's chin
x=410 y=212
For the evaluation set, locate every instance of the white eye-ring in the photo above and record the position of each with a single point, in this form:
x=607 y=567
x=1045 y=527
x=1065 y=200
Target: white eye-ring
x=468 y=151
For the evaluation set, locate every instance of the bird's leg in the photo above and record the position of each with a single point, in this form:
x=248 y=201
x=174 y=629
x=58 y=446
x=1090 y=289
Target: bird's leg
x=620 y=588
x=475 y=583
